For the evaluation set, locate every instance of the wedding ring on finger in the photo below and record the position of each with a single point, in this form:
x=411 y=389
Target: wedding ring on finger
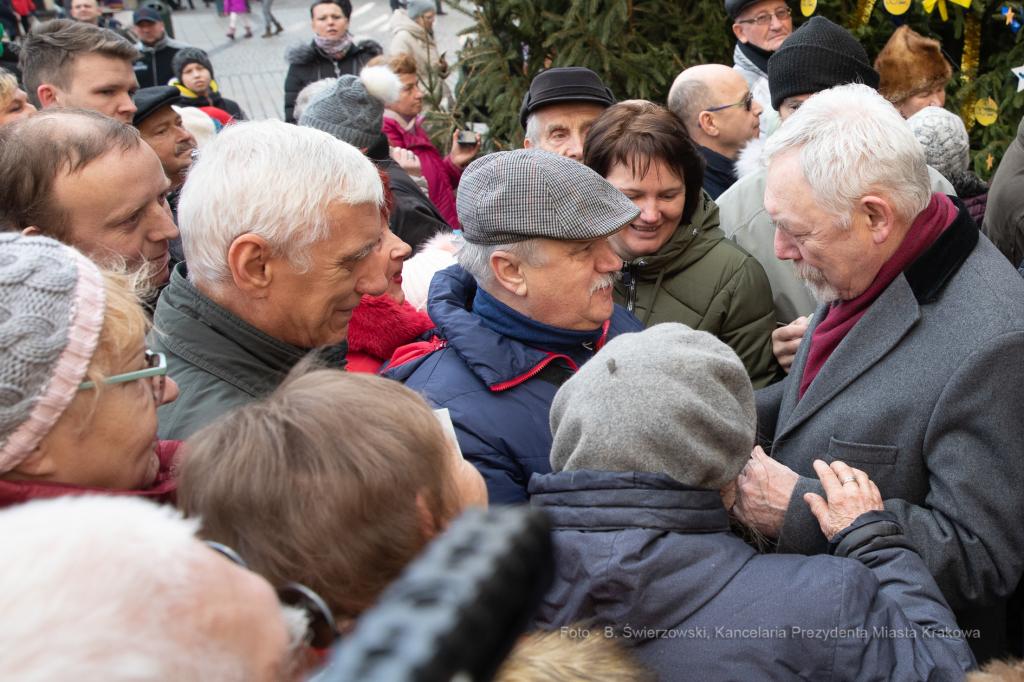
x=846 y=480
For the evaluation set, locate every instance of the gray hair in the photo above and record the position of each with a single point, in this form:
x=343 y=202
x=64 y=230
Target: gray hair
x=307 y=94
x=533 y=129
x=94 y=588
x=476 y=258
x=853 y=143
x=687 y=98
x=274 y=180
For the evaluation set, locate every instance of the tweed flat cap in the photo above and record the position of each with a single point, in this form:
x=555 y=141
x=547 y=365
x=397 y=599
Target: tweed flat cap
x=510 y=197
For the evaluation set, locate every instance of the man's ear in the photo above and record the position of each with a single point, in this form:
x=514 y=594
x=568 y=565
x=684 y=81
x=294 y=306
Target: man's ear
x=47 y=95
x=708 y=125
x=252 y=264
x=425 y=518
x=737 y=30
x=38 y=465
x=879 y=216
x=32 y=231
x=507 y=271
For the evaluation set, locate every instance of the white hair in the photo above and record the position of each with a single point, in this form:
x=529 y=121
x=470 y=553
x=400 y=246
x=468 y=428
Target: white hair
x=533 y=129
x=274 y=180
x=307 y=94
x=476 y=258
x=94 y=589
x=853 y=143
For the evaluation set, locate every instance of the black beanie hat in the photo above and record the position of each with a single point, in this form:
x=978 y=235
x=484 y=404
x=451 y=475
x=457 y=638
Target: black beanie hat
x=190 y=55
x=564 y=84
x=818 y=56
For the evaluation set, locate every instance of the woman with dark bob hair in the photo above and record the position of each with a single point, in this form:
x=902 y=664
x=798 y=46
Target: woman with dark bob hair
x=679 y=267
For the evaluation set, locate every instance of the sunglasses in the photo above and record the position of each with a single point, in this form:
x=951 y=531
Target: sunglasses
x=748 y=101
x=321 y=632
x=766 y=18
x=156 y=371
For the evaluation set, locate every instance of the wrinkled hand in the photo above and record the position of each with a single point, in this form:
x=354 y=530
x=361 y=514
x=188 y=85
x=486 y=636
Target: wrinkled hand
x=846 y=501
x=786 y=340
x=765 y=487
x=409 y=162
x=462 y=154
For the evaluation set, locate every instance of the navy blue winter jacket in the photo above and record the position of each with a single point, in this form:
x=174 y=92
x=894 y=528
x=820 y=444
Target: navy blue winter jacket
x=494 y=386
x=654 y=561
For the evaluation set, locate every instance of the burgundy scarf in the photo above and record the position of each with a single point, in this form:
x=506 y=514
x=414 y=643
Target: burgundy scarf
x=842 y=316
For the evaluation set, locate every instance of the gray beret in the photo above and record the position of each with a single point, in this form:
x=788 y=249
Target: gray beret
x=667 y=400
x=509 y=197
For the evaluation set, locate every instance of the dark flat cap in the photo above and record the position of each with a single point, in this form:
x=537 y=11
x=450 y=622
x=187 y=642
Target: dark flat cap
x=149 y=100
x=510 y=197
x=563 y=85
x=146 y=14
x=735 y=7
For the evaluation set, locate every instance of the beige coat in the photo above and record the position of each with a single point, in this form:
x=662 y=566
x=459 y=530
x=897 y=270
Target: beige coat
x=409 y=37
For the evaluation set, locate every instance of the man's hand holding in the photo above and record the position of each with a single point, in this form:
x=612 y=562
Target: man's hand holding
x=765 y=487
x=850 y=493
x=786 y=341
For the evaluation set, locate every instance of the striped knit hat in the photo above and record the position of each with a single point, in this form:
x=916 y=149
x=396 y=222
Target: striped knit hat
x=52 y=300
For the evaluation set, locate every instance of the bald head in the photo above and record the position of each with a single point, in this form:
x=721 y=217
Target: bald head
x=702 y=88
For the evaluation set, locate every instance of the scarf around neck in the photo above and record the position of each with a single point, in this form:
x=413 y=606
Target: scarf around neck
x=336 y=48
x=843 y=315
x=508 y=322
x=756 y=55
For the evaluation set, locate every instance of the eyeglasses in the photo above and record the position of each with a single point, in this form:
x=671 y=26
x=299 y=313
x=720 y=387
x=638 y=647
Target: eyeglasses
x=747 y=101
x=157 y=371
x=766 y=18
x=321 y=632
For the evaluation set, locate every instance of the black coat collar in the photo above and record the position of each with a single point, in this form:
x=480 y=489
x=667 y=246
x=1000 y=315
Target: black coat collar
x=940 y=261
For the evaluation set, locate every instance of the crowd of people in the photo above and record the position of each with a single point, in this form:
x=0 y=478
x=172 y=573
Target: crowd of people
x=757 y=353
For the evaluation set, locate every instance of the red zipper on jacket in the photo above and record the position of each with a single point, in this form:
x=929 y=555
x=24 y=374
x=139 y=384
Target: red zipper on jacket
x=511 y=383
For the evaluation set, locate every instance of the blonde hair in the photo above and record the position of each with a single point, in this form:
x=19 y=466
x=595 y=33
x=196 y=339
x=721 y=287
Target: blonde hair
x=569 y=655
x=401 y=64
x=124 y=322
x=8 y=87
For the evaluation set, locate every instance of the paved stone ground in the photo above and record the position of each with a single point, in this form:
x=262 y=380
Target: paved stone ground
x=252 y=71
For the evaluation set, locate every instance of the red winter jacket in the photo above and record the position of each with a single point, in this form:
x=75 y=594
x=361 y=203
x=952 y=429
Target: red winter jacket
x=442 y=175
x=379 y=326
x=162 y=491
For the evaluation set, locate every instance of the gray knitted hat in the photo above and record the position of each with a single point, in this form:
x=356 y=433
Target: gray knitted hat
x=51 y=311
x=190 y=55
x=352 y=108
x=417 y=8
x=947 y=148
x=509 y=197
x=667 y=400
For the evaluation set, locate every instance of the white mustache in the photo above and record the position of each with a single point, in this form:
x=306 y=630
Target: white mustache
x=604 y=281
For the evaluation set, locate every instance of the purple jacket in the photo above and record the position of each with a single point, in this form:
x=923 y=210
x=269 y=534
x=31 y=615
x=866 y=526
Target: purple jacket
x=442 y=175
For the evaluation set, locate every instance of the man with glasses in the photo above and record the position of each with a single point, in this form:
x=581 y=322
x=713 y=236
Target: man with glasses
x=760 y=27
x=721 y=115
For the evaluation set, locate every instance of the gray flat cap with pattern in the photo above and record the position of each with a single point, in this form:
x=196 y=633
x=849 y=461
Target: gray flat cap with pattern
x=510 y=197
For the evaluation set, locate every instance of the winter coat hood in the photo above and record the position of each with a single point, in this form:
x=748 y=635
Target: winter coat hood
x=400 y=21
x=163 y=488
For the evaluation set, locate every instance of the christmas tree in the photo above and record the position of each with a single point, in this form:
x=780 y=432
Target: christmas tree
x=639 y=46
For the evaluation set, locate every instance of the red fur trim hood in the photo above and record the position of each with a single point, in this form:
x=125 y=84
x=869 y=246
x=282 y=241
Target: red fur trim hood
x=379 y=326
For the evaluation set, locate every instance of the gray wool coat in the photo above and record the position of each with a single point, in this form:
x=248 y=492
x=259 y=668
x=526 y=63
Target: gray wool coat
x=926 y=395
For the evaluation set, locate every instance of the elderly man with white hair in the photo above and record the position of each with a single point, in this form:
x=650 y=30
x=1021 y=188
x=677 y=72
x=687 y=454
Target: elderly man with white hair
x=911 y=370
x=118 y=590
x=529 y=302
x=280 y=226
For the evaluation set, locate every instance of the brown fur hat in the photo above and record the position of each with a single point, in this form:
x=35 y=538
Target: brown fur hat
x=909 y=63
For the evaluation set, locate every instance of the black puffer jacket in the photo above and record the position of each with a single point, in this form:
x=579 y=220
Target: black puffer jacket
x=308 y=64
